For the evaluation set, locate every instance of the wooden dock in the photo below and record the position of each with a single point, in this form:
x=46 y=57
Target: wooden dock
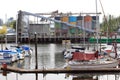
x=56 y=71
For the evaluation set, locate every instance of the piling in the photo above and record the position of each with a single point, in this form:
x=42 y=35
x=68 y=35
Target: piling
x=36 y=60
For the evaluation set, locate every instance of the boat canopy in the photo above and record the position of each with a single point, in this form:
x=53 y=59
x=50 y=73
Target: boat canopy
x=82 y=56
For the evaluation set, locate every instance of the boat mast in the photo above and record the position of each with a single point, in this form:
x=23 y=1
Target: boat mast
x=97 y=27
x=83 y=32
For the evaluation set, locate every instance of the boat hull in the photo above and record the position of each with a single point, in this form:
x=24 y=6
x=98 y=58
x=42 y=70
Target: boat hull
x=6 y=60
x=109 y=64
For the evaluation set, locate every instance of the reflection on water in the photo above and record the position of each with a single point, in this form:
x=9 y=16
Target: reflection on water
x=50 y=56
x=93 y=76
x=84 y=77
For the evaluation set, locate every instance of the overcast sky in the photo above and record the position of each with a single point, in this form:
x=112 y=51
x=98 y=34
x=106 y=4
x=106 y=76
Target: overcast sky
x=9 y=8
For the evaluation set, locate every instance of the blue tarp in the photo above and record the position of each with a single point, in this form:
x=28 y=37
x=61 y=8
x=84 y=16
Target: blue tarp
x=25 y=48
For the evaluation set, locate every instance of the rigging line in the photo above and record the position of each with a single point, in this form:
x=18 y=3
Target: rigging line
x=96 y=24
x=105 y=18
x=103 y=10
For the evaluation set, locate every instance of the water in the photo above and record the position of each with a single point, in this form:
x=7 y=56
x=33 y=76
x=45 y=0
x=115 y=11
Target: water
x=50 y=56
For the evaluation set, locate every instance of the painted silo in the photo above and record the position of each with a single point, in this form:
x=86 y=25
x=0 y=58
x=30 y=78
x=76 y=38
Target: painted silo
x=79 y=20
x=64 y=27
x=72 y=30
x=65 y=19
x=57 y=25
x=72 y=18
x=94 y=21
x=72 y=21
x=88 y=22
x=79 y=23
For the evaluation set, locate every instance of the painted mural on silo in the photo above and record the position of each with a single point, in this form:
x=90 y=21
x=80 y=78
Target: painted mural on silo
x=64 y=18
x=79 y=20
x=80 y=23
x=73 y=30
x=57 y=25
x=72 y=20
x=94 y=18
x=88 y=22
x=64 y=27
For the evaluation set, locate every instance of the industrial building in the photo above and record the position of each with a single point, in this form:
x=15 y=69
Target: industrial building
x=60 y=31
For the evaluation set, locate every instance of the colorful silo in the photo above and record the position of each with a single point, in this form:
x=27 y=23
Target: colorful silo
x=94 y=18
x=72 y=21
x=80 y=23
x=57 y=25
x=64 y=18
x=72 y=30
x=72 y=18
x=64 y=27
x=88 y=22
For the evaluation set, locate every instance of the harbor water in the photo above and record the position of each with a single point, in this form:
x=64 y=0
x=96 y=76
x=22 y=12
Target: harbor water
x=50 y=56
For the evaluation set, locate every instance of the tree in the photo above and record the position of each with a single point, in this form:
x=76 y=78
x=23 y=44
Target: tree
x=112 y=24
x=13 y=24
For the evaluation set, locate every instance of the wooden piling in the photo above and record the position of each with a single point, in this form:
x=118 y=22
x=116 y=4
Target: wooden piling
x=36 y=59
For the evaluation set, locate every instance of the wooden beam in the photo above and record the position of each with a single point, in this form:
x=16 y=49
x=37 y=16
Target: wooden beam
x=56 y=71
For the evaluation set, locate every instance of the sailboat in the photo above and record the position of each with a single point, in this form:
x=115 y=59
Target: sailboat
x=5 y=56
x=12 y=54
x=84 y=58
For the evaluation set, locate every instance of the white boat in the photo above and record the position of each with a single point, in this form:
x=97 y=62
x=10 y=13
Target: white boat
x=83 y=58
x=18 y=51
x=27 y=50
x=69 y=51
x=22 y=51
x=14 y=56
x=111 y=50
x=88 y=60
x=5 y=57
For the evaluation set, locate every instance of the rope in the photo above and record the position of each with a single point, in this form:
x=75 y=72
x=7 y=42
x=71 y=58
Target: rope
x=104 y=16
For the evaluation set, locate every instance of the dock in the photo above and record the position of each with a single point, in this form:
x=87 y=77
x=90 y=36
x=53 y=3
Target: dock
x=60 y=71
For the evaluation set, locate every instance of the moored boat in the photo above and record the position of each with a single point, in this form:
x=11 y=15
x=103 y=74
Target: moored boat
x=5 y=57
x=90 y=59
x=27 y=50
x=67 y=52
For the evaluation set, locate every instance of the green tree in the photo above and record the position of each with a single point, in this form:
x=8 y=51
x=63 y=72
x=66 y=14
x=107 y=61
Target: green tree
x=110 y=24
x=13 y=24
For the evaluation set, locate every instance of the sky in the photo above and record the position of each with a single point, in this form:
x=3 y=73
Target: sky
x=10 y=8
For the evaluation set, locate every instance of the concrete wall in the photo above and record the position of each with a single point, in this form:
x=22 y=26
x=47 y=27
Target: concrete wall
x=40 y=29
